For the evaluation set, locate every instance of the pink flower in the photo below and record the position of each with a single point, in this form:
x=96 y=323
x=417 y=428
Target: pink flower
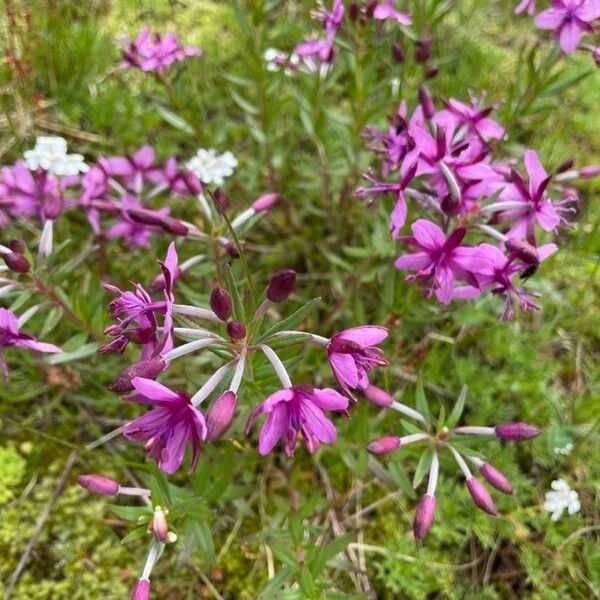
x=525 y=5
x=569 y=19
x=387 y=11
x=475 y=118
x=134 y=169
x=10 y=336
x=440 y=260
x=168 y=428
x=295 y=410
x=353 y=353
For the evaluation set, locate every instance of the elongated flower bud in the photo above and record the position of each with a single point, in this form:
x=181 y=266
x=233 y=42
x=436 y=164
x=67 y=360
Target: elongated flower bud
x=265 y=202
x=481 y=496
x=281 y=285
x=524 y=251
x=591 y=171
x=220 y=302
x=516 y=431
x=496 y=478
x=158 y=524
x=423 y=49
x=450 y=205
x=141 y=590
x=17 y=246
x=236 y=330
x=378 y=396
x=221 y=200
x=424 y=516
x=16 y=262
x=174 y=226
x=149 y=369
x=426 y=102
x=384 y=445
x=219 y=415
x=398 y=53
x=232 y=250
x=97 y=484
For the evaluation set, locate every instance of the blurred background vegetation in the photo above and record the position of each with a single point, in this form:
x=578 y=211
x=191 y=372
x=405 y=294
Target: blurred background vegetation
x=301 y=138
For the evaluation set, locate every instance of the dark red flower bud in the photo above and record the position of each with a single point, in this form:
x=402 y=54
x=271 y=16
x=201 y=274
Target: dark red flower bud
x=432 y=72
x=426 y=102
x=524 y=251
x=398 y=52
x=220 y=302
x=566 y=166
x=450 y=205
x=424 y=517
x=354 y=11
x=150 y=369
x=219 y=415
x=281 y=285
x=232 y=250
x=98 y=484
x=371 y=6
x=17 y=246
x=16 y=262
x=236 y=330
x=221 y=200
x=174 y=226
x=423 y=49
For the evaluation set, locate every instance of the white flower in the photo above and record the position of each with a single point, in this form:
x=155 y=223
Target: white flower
x=565 y=450
x=211 y=167
x=563 y=497
x=50 y=154
x=273 y=58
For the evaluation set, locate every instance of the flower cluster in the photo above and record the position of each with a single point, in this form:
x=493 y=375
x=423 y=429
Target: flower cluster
x=293 y=411
x=447 y=438
x=155 y=52
x=568 y=20
x=442 y=160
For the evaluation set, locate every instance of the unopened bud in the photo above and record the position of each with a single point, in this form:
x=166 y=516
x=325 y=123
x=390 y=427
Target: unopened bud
x=141 y=590
x=398 y=52
x=424 y=517
x=523 y=250
x=423 y=49
x=149 y=369
x=16 y=262
x=378 y=396
x=566 y=166
x=281 y=285
x=158 y=524
x=17 y=246
x=516 y=431
x=426 y=102
x=432 y=72
x=265 y=202
x=219 y=415
x=481 y=496
x=220 y=302
x=384 y=445
x=232 y=250
x=97 y=484
x=353 y=11
x=370 y=10
x=496 y=478
x=221 y=200
x=174 y=226
x=591 y=171
x=236 y=330
x=450 y=205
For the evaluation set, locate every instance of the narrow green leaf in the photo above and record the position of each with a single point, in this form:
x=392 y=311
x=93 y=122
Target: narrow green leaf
x=458 y=408
x=238 y=306
x=293 y=320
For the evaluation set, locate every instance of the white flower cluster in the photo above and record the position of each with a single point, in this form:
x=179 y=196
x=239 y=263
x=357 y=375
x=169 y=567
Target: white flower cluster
x=561 y=499
x=211 y=167
x=50 y=154
x=565 y=450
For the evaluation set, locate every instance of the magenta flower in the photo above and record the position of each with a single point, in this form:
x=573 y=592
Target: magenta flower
x=525 y=5
x=536 y=207
x=168 y=428
x=353 y=353
x=569 y=19
x=475 y=118
x=440 y=260
x=134 y=169
x=10 y=336
x=297 y=410
x=387 y=11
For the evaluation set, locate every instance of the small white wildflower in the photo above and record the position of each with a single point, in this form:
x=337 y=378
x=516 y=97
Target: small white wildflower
x=273 y=59
x=565 y=450
x=563 y=497
x=50 y=154
x=211 y=167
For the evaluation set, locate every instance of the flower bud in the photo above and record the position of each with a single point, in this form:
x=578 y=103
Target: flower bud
x=149 y=369
x=281 y=285
x=97 y=484
x=221 y=200
x=354 y=11
x=398 y=53
x=523 y=250
x=17 y=246
x=220 y=302
x=423 y=49
x=496 y=478
x=174 y=226
x=586 y=172
x=219 y=415
x=158 y=524
x=565 y=166
x=384 y=445
x=193 y=184
x=16 y=262
x=426 y=102
x=236 y=330
x=481 y=496
x=450 y=205
x=265 y=202
x=378 y=396
x=232 y=250
x=141 y=590
x=432 y=72
x=53 y=205
x=424 y=516
x=370 y=10
x=516 y=431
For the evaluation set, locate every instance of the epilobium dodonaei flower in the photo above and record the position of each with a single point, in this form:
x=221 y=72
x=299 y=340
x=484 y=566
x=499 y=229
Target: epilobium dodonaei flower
x=446 y=437
x=11 y=336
